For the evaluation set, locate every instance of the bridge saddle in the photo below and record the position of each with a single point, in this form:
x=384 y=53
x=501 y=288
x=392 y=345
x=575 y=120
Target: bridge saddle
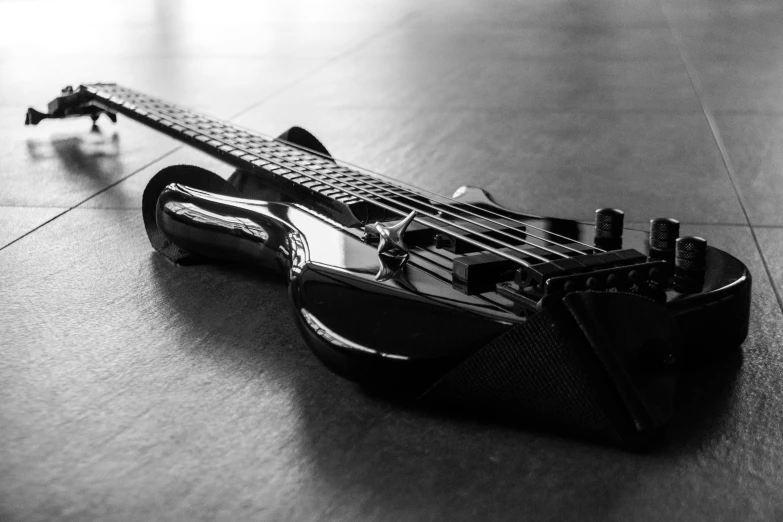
x=621 y=270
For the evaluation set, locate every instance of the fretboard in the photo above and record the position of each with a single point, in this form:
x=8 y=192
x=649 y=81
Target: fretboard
x=251 y=151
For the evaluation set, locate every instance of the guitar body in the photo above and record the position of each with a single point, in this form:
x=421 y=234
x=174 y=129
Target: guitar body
x=412 y=329
x=447 y=301
x=401 y=332
x=405 y=331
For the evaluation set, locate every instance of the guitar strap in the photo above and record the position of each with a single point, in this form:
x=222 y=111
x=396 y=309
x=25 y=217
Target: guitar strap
x=599 y=364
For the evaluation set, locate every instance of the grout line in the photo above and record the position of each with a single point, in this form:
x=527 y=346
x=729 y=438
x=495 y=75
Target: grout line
x=767 y=226
x=85 y=200
x=167 y=154
x=692 y=75
x=35 y=228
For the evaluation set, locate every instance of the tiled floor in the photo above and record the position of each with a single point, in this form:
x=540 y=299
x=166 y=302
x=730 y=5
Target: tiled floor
x=130 y=389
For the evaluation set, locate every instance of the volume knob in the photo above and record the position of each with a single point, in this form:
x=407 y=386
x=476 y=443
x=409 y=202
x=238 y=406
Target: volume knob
x=690 y=264
x=609 y=228
x=663 y=238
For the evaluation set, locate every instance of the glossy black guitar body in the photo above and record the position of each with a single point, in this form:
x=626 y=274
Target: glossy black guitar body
x=404 y=331
x=474 y=305
x=401 y=332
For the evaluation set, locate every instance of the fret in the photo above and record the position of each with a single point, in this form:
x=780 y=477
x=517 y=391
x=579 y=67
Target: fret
x=249 y=150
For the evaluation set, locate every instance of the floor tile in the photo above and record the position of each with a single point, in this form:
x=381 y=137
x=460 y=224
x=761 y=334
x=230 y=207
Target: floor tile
x=771 y=241
x=217 y=86
x=60 y=163
x=734 y=51
x=560 y=164
x=699 y=11
x=409 y=79
x=151 y=28
x=127 y=195
x=425 y=35
x=33 y=160
x=741 y=84
x=747 y=37
x=122 y=353
x=557 y=12
x=17 y=221
x=175 y=376
x=753 y=146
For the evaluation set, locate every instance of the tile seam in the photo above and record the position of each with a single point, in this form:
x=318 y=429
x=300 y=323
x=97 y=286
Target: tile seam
x=696 y=84
x=101 y=191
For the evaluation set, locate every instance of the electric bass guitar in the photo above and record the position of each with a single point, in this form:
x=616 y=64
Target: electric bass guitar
x=449 y=302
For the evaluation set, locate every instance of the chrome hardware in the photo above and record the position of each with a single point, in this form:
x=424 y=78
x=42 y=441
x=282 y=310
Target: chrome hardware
x=392 y=251
x=392 y=237
x=663 y=236
x=690 y=264
x=609 y=228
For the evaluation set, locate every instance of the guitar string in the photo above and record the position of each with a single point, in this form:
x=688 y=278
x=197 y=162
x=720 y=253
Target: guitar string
x=148 y=108
x=418 y=203
x=448 y=201
x=354 y=176
x=176 y=120
x=458 y=212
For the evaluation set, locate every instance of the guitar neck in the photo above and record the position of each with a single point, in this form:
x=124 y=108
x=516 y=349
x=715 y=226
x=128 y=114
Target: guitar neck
x=315 y=173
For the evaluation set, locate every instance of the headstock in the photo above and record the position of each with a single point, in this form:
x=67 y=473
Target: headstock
x=70 y=103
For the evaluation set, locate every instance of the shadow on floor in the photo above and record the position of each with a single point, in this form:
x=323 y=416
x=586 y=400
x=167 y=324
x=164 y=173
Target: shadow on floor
x=372 y=449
